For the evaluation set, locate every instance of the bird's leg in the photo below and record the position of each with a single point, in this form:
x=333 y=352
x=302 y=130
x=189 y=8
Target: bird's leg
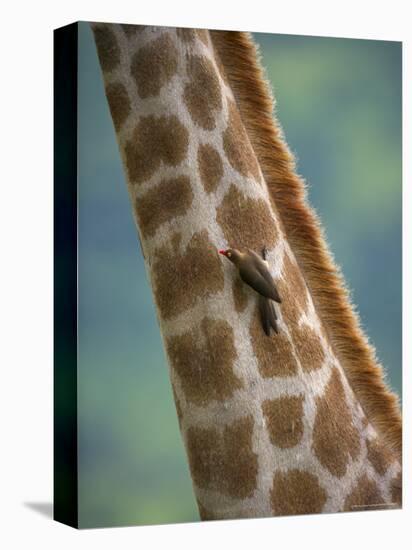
x=264 y=252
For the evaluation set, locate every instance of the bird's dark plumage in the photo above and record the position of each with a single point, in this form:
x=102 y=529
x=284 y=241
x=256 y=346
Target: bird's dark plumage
x=254 y=271
x=256 y=274
x=267 y=315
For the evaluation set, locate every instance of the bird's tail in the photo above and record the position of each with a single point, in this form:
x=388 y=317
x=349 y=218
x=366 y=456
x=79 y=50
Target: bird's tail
x=268 y=315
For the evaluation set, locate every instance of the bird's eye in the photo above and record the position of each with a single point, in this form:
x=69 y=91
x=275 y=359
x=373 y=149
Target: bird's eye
x=229 y=254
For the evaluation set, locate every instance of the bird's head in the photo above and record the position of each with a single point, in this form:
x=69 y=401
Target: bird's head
x=231 y=254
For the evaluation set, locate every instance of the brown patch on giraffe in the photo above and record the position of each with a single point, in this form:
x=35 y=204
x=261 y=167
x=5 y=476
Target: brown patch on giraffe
x=203 y=35
x=293 y=291
x=379 y=456
x=284 y=420
x=155 y=140
x=132 y=30
x=396 y=489
x=335 y=437
x=203 y=96
x=176 y=239
x=246 y=222
x=237 y=146
x=119 y=103
x=224 y=462
x=365 y=496
x=308 y=347
x=220 y=68
x=180 y=279
x=203 y=358
x=190 y=35
x=107 y=47
x=168 y=200
x=240 y=294
x=275 y=355
x=154 y=65
x=205 y=514
x=210 y=167
x=295 y=492
x=185 y=34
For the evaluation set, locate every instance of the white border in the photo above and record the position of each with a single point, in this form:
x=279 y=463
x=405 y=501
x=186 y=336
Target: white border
x=26 y=268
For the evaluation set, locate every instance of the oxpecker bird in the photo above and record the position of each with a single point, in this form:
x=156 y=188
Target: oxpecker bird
x=253 y=270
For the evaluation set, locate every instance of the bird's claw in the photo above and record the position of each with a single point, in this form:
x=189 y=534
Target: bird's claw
x=264 y=252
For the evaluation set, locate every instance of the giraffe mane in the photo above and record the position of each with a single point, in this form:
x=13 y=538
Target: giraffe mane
x=239 y=57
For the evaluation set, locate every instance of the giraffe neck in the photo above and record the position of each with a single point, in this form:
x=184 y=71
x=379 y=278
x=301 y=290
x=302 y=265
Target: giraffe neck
x=271 y=425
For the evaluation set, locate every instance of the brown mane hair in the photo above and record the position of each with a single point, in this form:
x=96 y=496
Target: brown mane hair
x=239 y=57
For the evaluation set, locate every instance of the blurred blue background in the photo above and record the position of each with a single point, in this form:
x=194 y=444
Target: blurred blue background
x=339 y=102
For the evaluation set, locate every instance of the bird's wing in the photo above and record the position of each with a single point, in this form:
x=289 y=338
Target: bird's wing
x=261 y=266
x=254 y=279
x=276 y=295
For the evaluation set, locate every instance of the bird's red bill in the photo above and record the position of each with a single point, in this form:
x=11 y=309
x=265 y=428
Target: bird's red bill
x=222 y=252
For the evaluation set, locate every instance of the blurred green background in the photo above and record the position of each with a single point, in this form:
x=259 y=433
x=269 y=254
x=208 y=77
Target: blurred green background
x=339 y=102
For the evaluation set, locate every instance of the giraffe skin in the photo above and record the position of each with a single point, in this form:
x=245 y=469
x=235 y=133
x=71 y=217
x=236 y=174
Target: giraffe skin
x=271 y=426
